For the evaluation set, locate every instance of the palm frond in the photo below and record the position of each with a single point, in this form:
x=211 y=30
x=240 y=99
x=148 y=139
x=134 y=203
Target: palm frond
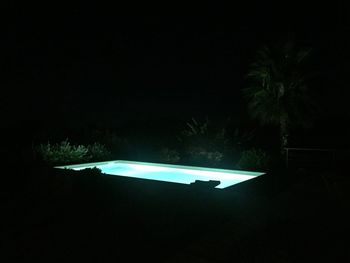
x=278 y=83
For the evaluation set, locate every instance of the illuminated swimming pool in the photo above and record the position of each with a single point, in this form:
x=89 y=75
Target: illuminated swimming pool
x=169 y=173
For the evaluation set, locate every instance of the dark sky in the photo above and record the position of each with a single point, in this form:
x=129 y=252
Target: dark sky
x=88 y=62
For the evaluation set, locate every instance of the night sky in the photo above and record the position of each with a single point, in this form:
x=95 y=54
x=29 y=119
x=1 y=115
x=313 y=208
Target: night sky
x=114 y=64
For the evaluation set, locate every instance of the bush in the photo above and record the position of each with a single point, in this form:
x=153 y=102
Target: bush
x=63 y=153
x=98 y=152
x=254 y=159
x=195 y=128
x=201 y=156
x=169 y=155
x=204 y=143
x=118 y=146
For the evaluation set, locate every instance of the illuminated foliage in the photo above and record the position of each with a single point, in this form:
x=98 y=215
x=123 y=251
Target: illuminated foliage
x=65 y=153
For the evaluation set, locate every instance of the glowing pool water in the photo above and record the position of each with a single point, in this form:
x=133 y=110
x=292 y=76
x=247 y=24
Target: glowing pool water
x=169 y=173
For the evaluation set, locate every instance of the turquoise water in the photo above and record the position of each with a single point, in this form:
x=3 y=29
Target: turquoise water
x=169 y=173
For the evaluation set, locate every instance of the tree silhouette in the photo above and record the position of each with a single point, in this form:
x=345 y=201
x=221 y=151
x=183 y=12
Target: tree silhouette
x=278 y=93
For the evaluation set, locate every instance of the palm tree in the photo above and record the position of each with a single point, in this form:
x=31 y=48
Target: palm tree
x=278 y=94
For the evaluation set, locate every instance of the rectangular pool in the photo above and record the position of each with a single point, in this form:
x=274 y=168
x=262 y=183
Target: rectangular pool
x=169 y=173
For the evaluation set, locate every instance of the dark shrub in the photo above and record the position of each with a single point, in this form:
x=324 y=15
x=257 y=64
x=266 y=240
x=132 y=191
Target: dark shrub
x=98 y=152
x=168 y=155
x=254 y=159
x=205 y=143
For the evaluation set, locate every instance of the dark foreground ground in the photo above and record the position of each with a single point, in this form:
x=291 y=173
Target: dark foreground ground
x=55 y=216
